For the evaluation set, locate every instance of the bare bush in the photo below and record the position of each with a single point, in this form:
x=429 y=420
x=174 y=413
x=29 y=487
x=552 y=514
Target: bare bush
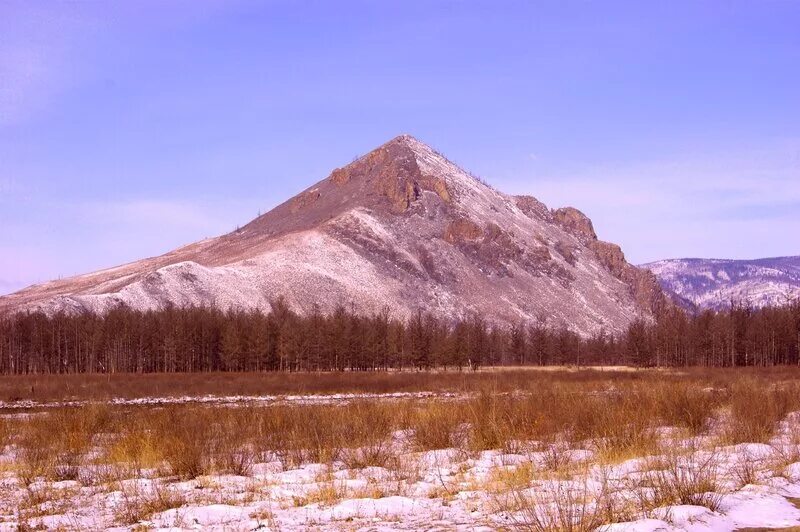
x=680 y=479
x=556 y=506
x=138 y=503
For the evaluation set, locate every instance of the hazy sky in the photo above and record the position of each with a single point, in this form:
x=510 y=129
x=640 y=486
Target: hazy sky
x=129 y=128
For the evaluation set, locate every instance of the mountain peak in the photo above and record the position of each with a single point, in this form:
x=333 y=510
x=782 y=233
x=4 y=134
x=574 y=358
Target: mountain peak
x=428 y=158
x=402 y=170
x=411 y=142
x=405 y=139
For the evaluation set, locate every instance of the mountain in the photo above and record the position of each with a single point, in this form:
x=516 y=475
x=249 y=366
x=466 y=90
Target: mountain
x=715 y=283
x=401 y=227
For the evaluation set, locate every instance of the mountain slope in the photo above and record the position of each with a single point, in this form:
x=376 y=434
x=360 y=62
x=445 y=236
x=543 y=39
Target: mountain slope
x=715 y=283
x=401 y=227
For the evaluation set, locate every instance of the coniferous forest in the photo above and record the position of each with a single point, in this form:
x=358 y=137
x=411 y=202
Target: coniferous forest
x=207 y=339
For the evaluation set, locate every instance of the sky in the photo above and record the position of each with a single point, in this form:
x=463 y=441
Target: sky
x=130 y=128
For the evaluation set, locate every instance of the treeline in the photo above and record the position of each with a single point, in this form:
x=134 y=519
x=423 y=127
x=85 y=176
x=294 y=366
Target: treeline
x=207 y=339
x=738 y=336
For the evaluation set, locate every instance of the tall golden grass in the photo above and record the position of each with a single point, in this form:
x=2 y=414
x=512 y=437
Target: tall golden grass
x=618 y=419
x=617 y=416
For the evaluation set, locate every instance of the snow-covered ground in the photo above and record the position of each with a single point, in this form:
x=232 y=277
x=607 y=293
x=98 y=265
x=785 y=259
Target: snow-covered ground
x=234 y=400
x=529 y=486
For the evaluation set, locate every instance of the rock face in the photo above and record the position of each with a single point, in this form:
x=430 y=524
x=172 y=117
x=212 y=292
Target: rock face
x=643 y=284
x=715 y=284
x=401 y=227
x=574 y=220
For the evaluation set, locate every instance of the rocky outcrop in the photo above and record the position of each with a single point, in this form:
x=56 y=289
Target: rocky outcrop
x=304 y=200
x=610 y=256
x=392 y=172
x=575 y=221
x=533 y=207
x=643 y=284
x=340 y=176
x=462 y=230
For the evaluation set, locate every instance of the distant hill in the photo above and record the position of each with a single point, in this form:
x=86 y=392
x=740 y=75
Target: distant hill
x=715 y=283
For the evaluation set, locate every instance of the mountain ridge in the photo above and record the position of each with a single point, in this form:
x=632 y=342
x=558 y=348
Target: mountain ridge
x=715 y=284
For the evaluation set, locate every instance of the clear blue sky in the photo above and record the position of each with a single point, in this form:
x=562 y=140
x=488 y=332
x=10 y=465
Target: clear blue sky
x=129 y=128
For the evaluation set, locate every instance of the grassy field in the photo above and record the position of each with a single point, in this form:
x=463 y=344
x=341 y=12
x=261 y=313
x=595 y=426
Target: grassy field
x=541 y=450
x=100 y=387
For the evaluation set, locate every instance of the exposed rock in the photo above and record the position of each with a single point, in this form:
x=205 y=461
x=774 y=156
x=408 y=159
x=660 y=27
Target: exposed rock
x=533 y=207
x=304 y=200
x=567 y=252
x=340 y=176
x=537 y=256
x=611 y=256
x=462 y=230
x=574 y=220
x=646 y=290
x=643 y=284
x=438 y=186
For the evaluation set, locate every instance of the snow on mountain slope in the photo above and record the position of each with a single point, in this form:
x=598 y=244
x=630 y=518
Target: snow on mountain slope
x=401 y=227
x=715 y=283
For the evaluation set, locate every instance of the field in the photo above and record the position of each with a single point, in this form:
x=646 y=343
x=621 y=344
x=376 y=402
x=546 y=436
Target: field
x=571 y=450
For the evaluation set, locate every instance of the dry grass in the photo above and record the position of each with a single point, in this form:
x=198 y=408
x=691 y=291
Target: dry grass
x=621 y=425
x=678 y=478
x=5 y=433
x=746 y=469
x=619 y=419
x=138 y=503
x=435 y=426
x=555 y=506
x=687 y=405
x=325 y=494
x=618 y=416
x=366 y=435
x=43 y=500
x=783 y=455
x=132 y=386
x=135 y=449
x=756 y=408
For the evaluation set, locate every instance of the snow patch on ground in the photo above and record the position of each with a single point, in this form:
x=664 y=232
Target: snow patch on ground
x=450 y=489
x=231 y=400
